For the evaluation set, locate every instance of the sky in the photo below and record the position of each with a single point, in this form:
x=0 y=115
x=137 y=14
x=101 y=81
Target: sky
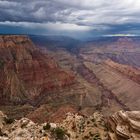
x=77 y=18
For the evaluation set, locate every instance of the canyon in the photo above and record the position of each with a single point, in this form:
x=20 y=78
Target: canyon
x=44 y=78
x=108 y=68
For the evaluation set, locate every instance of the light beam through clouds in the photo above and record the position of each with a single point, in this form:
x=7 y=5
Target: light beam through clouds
x=96 y=17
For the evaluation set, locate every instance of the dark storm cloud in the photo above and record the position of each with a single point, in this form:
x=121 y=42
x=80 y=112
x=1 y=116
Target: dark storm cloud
x=94 y=15
x=33 y=11
x=74 y=11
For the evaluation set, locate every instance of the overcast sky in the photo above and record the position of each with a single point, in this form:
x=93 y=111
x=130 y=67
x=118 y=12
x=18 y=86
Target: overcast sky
x=70 y=17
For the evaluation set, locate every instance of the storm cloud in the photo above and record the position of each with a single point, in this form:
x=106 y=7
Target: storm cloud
x=100 y=16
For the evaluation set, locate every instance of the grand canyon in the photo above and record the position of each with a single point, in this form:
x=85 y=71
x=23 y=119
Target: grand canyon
x=64 y=88
x=69 y=70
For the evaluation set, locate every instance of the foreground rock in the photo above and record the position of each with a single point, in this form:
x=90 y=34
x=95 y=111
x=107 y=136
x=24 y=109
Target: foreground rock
x=74 y=127
x=125 y=125
x=25 y=129
x=121 y=126
x=85 y=128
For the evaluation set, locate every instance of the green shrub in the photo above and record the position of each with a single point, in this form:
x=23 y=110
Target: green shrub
x=97 y=137
x=2 y=134
x=23 y=125
x=8 y=120
x=68 y=135
x=76 y=136
x=59 y=133
x=47 y=126
x=95 y=124
x=86 y=137
x=44 y=134
x=88 y=122
x=90 y=133
x=93 y=120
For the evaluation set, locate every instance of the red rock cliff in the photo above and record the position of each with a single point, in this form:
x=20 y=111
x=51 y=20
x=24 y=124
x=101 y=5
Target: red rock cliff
x=26 y=73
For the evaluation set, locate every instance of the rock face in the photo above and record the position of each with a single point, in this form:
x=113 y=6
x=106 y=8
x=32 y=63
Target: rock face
x=85 y=128
x=23 y=129
x=73 y=127
x=30 y=76
x=126 y=70
x=2 y=116
x=122 y=87
x=125 y=125
x=121 y=126
x=108 y=80
x=123 y=50
x=26 y=73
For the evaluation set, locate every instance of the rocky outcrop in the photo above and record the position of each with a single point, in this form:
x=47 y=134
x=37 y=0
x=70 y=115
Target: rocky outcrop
x=121 y=126
x=25 y=129
x=125 y=125
x=2 y=118
x=73 y=127
x=27 y=73
x=85 y=128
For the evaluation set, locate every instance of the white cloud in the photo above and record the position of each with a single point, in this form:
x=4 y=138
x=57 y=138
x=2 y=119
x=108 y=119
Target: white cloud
x=109 y=12
x=69 y=14
x=119 y=35
x=8 y=3
x=50 y=26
